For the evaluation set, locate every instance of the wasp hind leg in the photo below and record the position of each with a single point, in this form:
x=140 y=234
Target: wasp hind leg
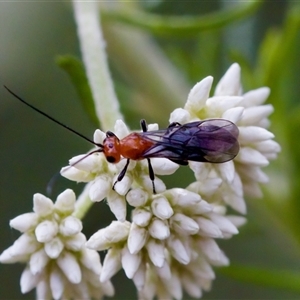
x=151 y=172
x=151 y=175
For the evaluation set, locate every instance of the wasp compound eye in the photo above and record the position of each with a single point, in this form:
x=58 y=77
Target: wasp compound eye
x=110 y=159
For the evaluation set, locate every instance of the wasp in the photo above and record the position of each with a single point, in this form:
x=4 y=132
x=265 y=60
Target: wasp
x=211 y=140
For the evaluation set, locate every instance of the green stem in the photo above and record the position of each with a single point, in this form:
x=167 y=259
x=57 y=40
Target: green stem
x=83 y=203
x=94 y=57
x=180 y=25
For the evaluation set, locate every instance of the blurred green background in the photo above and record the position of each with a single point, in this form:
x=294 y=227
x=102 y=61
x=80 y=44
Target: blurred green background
x=154 y=64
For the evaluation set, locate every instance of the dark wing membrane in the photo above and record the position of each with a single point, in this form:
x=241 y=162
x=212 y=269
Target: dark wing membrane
x=213 y=140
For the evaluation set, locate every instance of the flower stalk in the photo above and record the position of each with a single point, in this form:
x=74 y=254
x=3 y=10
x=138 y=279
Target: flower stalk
x=92 y=45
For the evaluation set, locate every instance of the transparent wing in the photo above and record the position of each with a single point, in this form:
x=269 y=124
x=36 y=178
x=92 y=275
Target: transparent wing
x=213 y=140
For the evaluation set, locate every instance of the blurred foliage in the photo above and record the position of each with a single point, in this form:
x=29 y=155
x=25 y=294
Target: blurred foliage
x=74 y=67
x=157 y=51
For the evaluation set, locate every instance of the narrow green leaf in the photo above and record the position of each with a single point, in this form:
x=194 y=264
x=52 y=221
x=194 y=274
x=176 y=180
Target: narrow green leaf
x=275 y=68
x=181 y=25
x=276 y=48
x=280 y=279
x=75 y=69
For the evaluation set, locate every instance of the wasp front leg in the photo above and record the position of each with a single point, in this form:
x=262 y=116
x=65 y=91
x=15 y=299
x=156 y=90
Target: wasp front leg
x=122 y=174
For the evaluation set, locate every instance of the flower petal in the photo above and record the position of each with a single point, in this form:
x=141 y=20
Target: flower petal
x=65 y=202
x=253 y=115
x=159 y=229
x=180 y=115
x=121 y=129
x=210 y=249
x=164 y=272
x=268 y=146
x=227 y=171
x=137 y=197
x=7 y=257
x=25 y=244
x=117 y=205
x=130 y=262
x=184 y=224
x=192 y=287
x=163 y=166
x=156 y=252
x=256 y=97
x=77 y=175
x=70 y=226
x=234 y=114
x=198 y=95
x=137 y=238
x=174 y=286
x=24 y=222
x=99 y=136
x=43 y=290
x=202 y=208
x=122 y=187
x=54 y=247
x=111 y=264
x=46 y=231
x=224 y=224
x=161 y=208
x=237 y=221
x=182 y=197
x=42 y=205
x=100 y=188
x=139 y=277
x=229 y=84
x=216 y=106
x=141 y=216
x=178 y=251
x=104 y=238
x=251 y=156
x=70 y=267
x=75 y=243
x=146 y=182
x=56 y=283
x=38 y=261
x=253 y=134
x=208 y=228
x=28 y=281
x=91 y=260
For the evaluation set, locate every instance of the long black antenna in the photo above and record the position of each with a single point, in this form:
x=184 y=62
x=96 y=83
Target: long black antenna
x=52 y=119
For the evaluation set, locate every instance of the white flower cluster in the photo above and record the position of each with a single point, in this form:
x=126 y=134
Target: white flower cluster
x=169 y=244
x=102 y=175
x=227 y=183
x=58 y=263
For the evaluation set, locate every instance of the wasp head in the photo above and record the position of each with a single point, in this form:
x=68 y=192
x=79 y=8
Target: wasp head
x=111 y=148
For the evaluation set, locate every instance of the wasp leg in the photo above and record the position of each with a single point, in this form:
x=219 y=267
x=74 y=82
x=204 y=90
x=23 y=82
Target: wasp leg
x=144 y=125
x=109 y=134
x=180 y=162
x=151 y=172
x=151 y=175
x=122 y=174
x=173 y=124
